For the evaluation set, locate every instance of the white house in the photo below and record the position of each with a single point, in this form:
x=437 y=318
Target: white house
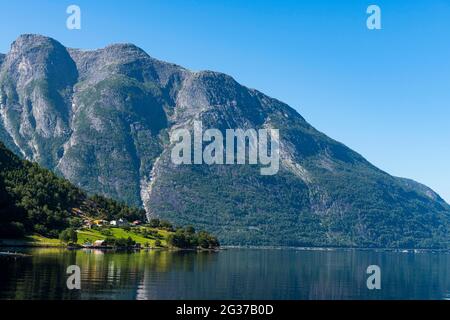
x=119 y=223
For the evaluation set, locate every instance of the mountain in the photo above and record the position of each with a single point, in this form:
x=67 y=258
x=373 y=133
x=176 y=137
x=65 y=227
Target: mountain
x=103 y=118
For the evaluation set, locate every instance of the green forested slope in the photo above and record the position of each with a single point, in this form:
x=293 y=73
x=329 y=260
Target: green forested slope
x=33 y=199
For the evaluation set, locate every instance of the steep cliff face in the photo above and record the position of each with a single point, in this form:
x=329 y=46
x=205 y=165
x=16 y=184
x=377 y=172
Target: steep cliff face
x=103 y=119
x=117 y=122
x=36 y=81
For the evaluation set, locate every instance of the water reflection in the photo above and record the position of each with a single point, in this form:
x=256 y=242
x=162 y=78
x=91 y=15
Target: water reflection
x=230 y=274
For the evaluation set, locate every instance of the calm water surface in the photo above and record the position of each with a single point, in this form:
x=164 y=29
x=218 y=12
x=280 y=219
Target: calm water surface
x=229 y=274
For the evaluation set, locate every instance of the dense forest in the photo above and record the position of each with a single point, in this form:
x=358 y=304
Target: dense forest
x=34 y=200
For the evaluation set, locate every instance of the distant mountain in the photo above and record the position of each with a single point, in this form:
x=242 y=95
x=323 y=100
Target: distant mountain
x=103 y=118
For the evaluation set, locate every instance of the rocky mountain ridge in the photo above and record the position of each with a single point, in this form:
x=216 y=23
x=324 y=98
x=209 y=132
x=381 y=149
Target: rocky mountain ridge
x=103 y=118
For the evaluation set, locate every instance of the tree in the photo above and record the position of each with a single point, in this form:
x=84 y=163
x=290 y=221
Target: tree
x=154 y=223
x=12 y=230
x=75 y=223
x=190 y=230
x=166 y=225
x=130 y=242
x=68 y=235
x=178 y=240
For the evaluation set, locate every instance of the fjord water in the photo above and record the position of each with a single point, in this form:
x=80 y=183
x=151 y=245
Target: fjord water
x=228 y=274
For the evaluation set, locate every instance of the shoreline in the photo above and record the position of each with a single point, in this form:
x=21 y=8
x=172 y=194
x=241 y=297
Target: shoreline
x=405 y=250
x=19 y=243
x=23 y=243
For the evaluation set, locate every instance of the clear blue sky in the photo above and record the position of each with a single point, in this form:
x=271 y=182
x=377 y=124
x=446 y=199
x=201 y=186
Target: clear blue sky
x=384 y=93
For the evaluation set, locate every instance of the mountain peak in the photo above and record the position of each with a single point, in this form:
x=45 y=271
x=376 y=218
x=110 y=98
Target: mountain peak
x=125 y=47
x=34 y=58
x=27 y=41
x=118 y=50
x=33 y=37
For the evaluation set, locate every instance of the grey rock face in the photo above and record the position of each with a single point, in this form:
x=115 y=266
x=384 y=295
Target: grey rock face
x=103 y=118
x=36 y=81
